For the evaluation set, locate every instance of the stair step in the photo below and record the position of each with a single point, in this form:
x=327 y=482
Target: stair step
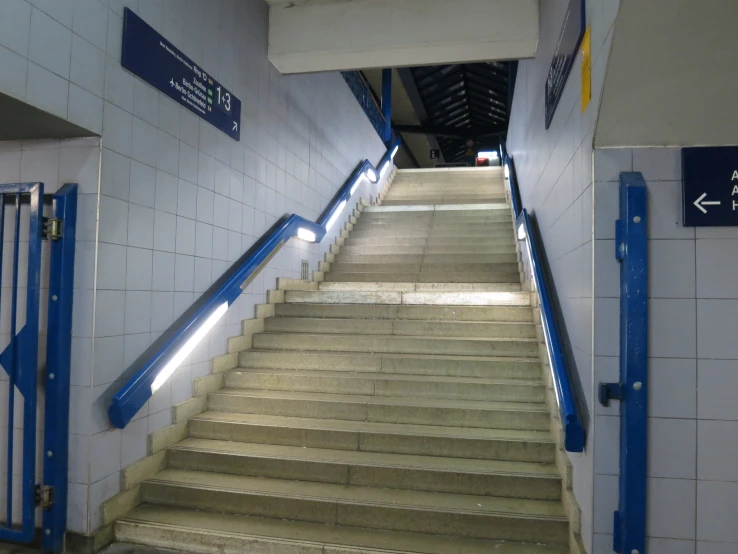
x=397 y=343
x=433 y=281
x=411 y=298
x=381 y=409
x=440 y=208
x=423 y=313
x=395 y=385
x=506 y=240
x=379 y=284
x=393 y=438
x=400 y=327
x=409 y=200
x=436 y=269
x=394 y=509
x=214 y=533
x=409 y=364
x=419 y=250
x=369 y=469
x=429 y=258
x=431 y=234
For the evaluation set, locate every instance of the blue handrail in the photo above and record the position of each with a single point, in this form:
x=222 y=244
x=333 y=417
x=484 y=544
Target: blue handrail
x=176 y=344
x=571 y=420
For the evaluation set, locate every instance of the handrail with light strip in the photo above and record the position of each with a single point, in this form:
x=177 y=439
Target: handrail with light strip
x=571 y=420
x=160 y=361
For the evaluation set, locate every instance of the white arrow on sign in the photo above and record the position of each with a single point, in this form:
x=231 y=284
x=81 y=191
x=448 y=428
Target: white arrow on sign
x=699 y=203
x=235 y=126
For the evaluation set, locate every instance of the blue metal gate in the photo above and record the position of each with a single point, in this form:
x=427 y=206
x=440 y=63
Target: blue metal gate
x=21 y=254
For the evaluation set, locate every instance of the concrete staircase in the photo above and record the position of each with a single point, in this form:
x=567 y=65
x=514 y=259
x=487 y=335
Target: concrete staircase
x=397 y=408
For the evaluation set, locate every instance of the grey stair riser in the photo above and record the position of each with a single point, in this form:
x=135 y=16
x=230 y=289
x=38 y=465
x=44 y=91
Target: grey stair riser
x=431 y=236
x=400 y=327
x=451 y=447
x=328 y=511
x=434 y=313
x=415 y=250
x=340 y=277
x=425 y=268
x=443 y=200
x=428 y=258
x=424 y=297
x=502 y=239
x=502 y=368
x=405 y=345
x=434 y=228
x=379 y=386
x=382 y=413
x=372 y=284
x=500 y=485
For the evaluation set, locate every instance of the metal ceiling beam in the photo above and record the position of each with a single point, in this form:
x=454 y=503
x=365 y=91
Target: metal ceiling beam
x=453 y=132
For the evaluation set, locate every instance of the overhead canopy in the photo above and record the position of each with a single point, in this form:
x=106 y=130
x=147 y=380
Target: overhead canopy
x=328 y=35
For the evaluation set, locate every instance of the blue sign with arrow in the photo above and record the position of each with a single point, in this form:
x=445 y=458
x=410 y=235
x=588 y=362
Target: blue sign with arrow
x=710 y=186
x=158 y=62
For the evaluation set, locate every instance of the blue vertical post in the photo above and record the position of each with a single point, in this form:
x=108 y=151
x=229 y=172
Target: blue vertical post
x=632 y=391
x=387 y=105
x=58 y=356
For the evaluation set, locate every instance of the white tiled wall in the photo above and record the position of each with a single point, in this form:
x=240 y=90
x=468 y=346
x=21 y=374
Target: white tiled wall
x=693 y=360
x=554 y=168
x=177 y=201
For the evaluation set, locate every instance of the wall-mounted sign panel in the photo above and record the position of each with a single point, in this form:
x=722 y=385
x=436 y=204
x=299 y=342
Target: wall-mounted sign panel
x=575 y=22
x=710 y=186
x=158 y=62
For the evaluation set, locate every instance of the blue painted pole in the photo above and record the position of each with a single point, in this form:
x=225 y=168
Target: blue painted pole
x=387 y=104
x=632 y=251
x=58 y=369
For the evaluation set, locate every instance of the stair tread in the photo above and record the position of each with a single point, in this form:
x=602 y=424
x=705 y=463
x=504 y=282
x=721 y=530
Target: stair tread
x=413 y=356
x=374 y=427
x=295 y=533
x=343 y=336
x=394 y=377
x=377 y=459
x=386 y=400
x=460 y=322
x=355 y=494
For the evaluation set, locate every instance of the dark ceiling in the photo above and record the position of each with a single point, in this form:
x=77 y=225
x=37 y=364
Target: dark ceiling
x=460 y=102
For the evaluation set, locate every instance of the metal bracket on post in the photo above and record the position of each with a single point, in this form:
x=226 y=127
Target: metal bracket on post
x=629 y=533
x=610 y=391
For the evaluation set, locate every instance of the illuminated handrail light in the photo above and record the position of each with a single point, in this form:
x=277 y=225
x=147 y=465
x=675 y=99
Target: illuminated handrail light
x=335 y=215
x=304 y=234
x=507 y=171
x=522 y=235
x=384 y=170
x=493 y=155
x=167 y=371
x=392 y=156
x=371 y=175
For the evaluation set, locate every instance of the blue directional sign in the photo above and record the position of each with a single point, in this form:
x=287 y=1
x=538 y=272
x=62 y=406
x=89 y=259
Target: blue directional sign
x=710 y=186
x=567 y=47
x=158 y=62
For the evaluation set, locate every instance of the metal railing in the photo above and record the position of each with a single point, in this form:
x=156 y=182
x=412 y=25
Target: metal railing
x=571 y=420
x=158 y=363
x=20 y=358
x=363 y=94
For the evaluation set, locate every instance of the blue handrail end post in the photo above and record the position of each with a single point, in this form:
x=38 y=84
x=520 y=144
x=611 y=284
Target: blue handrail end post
x=58 y=369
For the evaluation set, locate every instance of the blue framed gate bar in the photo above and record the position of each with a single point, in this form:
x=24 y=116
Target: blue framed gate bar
x=20 y=361
x=631 y=250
